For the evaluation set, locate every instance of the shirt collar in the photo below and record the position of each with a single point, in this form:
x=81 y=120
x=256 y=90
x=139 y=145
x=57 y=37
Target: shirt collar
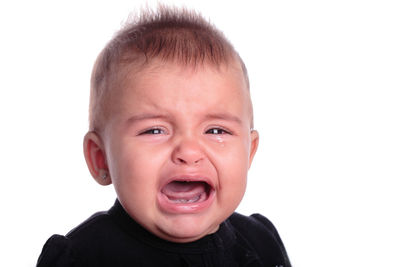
x=224 y=238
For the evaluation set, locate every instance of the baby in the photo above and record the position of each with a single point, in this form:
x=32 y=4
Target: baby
x=171 y=127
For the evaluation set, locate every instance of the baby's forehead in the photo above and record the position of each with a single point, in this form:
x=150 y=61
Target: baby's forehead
x=145 y=88
x=139 y=79
x=161 y=85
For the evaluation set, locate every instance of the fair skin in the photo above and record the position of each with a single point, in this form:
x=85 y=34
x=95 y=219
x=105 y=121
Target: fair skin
x=177 y=147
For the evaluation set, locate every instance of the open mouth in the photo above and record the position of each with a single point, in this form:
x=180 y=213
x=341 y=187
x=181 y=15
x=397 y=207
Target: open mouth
x=186 y=191
x=185 y=195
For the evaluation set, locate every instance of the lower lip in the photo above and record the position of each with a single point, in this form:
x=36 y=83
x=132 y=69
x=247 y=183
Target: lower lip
x=168 y=206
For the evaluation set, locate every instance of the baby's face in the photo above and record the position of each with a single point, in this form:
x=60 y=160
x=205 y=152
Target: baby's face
x=178 y=148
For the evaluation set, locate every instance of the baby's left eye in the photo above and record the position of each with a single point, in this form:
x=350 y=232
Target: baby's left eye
x=217 y=131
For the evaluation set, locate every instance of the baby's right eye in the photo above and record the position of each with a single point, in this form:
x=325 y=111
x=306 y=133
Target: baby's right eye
x=153 y=131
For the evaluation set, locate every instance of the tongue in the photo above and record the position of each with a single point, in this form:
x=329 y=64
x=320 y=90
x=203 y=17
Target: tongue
x=184 y=190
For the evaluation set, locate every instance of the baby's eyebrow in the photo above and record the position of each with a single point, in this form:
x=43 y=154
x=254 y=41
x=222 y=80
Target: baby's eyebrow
x=146 y=116
x=224 y=116
x=211 y=116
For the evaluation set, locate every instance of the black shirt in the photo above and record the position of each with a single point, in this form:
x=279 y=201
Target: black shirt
x=112 y=238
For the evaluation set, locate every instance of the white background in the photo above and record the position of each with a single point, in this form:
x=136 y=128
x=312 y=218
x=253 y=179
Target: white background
x=325 y=81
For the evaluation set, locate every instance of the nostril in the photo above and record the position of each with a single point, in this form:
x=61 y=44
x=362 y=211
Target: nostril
x=182 y=161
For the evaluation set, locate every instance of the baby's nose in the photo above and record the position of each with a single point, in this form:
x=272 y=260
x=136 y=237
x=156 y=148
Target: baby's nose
x=188 y=152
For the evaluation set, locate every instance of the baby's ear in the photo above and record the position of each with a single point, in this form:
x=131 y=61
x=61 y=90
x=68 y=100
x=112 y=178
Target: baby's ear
x=95 y=156
x=253 y=145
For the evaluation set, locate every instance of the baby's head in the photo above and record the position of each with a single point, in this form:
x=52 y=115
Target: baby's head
x=171 y=124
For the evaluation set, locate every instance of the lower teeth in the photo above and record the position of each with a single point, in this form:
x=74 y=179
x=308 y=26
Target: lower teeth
x=186 y=200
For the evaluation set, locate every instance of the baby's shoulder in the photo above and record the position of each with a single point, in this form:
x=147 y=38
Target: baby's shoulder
x=60 y=250
x=256 y=221
x=260 y=234
x=255 y=228
x=92 y=225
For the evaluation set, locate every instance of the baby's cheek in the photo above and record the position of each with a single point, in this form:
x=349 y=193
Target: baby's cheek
x=233 y=182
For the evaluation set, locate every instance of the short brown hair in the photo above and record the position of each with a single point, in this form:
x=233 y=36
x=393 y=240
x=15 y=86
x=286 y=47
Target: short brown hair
x=169 y=34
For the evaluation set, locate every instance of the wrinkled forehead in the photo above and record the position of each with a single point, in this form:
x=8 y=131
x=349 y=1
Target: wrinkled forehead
x=133 y=74
x=125 y=80
x=138 y=80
